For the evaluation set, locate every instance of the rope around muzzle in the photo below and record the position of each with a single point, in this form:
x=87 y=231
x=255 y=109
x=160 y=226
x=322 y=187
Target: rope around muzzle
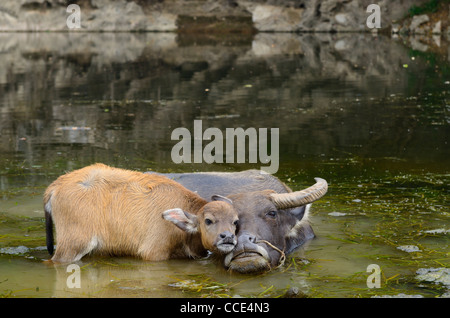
x=282 y=257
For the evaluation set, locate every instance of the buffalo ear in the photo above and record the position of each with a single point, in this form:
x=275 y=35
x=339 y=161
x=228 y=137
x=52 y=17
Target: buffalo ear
x=184 y=220
x=301 y=232
x=217 y=197
x=299 y=212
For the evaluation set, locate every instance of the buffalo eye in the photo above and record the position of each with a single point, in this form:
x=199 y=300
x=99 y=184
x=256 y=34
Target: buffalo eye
x=272 y=214
x=235 y=223
x=208 y=222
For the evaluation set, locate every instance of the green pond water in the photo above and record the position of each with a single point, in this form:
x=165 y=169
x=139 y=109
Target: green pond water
x=368 y=114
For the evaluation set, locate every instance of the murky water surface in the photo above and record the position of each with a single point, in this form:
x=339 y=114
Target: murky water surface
x=368 y=114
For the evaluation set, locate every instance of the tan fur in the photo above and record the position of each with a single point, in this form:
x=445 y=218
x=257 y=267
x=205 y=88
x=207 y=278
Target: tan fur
x=119 y=212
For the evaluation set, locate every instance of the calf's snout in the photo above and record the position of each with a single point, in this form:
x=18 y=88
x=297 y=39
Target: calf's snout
x=227 y=236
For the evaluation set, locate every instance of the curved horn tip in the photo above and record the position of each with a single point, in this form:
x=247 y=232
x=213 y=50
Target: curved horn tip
x=302 y=197
x=325 y=183
x=320 y=180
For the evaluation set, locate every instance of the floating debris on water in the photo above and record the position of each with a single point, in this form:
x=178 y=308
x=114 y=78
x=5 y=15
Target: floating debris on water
x=437 y=231
x=202 y=286
x=439 y=275
x=401 y=295
x=409 y=248
x=20 y=250
x=14 y=250
x=337 y=214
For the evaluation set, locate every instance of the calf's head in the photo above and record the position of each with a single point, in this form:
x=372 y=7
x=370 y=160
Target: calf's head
x=216 y=222
x=270 y=226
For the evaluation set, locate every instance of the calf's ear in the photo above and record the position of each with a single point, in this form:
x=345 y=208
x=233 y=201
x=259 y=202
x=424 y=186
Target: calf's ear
x=184 y=220
x=217 y=197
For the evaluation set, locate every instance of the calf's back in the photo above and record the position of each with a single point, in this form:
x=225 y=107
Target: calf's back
x=116 y=211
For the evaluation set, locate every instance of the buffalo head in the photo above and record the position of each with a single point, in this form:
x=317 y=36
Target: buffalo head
x=271 y=225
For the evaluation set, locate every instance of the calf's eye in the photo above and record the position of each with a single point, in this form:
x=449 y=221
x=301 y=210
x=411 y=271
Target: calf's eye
x=208 y=222
x=235 y=223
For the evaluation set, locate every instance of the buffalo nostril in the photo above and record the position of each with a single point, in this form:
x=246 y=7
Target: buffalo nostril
x=250 y=238
x=246 y=239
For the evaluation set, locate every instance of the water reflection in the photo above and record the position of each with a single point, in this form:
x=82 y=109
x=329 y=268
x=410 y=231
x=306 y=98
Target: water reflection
x=99 y=96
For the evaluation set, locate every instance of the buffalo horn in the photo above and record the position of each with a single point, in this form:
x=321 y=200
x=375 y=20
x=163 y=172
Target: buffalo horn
x=302 y=197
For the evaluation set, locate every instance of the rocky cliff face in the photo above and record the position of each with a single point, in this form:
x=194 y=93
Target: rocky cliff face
x=166 y=15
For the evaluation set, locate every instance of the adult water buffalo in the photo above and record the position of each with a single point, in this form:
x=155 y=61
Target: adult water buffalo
x=273 y=220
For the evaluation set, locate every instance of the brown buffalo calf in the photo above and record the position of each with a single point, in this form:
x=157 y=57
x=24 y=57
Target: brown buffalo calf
x=112 y=211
